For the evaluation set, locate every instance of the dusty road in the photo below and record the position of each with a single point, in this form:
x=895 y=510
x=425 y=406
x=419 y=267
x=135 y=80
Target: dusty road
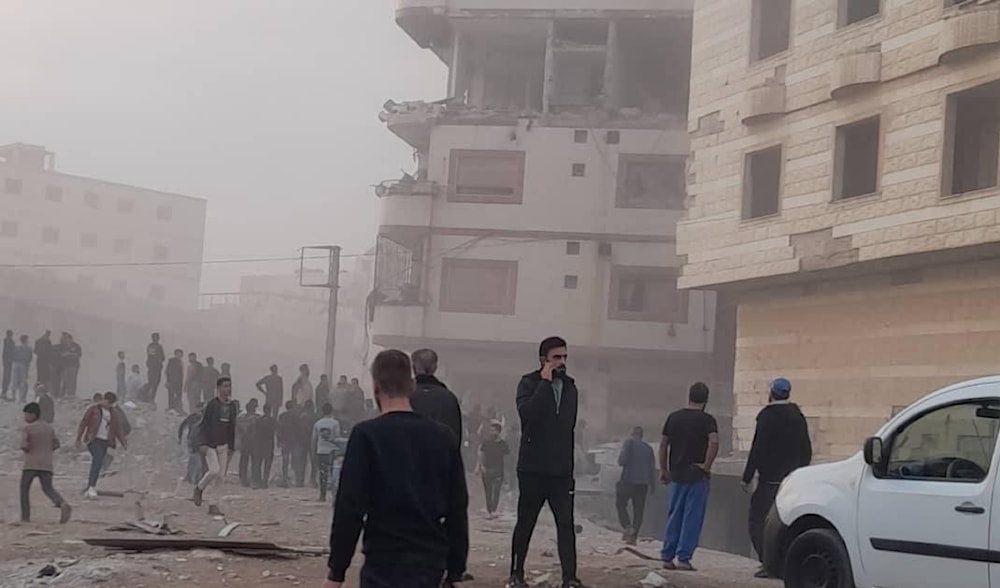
x=152 y=466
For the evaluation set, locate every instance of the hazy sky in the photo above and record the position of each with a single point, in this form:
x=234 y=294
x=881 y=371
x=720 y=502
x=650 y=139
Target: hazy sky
x=268 y=109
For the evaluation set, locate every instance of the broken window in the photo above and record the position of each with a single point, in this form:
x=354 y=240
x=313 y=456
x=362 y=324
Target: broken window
x=762 y=183
x=501 y=71
x=579 y=53
x=479 y=286
x=857 y=159
x=770 y=26
x=650 y=66
x=646 y=294
x=651 y=181
x=852 y=11
x=972 y=140
x=486 y=176
x=398 y=270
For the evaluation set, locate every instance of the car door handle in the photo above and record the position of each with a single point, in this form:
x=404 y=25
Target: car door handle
x=969 y=508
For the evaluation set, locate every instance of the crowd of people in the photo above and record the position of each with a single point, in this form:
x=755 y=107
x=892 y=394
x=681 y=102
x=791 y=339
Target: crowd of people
x=57 y=365
x=402 y=476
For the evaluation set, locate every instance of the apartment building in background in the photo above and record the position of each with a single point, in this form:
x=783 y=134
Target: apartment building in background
x=547 y=190
x=844 y=194
x=93 y=230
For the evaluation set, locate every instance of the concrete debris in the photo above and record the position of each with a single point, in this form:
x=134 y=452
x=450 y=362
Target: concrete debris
x=542 y=581
x=654 y=580
x=47 y=571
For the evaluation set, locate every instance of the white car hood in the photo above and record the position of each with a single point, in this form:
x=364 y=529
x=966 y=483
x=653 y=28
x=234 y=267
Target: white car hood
x=819 y=483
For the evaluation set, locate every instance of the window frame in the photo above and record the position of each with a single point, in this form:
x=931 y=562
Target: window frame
x=747 y=195
x=509 y=305
x=454 y=164
x=949 y=142
x=839 y=150
x=842 y=10
x=626 y=159
x=880 y=471
x=681 y=313
x=756 y=34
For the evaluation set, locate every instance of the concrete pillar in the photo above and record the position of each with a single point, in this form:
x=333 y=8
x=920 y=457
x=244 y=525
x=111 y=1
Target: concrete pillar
x=612 y=77
x=455 y=73
x=549 y=88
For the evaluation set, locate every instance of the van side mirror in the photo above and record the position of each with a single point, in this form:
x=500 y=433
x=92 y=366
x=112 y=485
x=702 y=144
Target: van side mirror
x=873 y=451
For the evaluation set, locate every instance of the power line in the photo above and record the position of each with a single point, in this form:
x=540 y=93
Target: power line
x=169 y=263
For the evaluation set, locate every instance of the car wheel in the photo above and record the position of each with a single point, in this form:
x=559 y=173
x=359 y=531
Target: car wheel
x=818 y=559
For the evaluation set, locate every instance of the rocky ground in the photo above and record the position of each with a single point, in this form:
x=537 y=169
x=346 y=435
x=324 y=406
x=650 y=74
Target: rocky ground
x=148 y=474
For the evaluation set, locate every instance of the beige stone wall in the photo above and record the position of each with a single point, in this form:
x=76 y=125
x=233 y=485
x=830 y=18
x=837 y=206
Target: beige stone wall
x=854 y=350
x=906 y=215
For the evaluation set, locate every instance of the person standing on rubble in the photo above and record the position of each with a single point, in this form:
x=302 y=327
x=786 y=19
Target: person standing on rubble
x=39 y=442
x=154 y=365
x=307 y=457
x=288 y=424
x=196 y=460
x=45 y=403
x=273 y=389
x=43 y=360
x=302 y=388
x=175 y=381
x=493 y=453
x=70 y=353
x=324 y=436
x=192 y=382
x=218 y=441
x=121 y=370
x=262 y=448
x=8 y=363
x=401 y=471
x=100 y=429
x=209 y=376
x=23 y=354
x=244 y=424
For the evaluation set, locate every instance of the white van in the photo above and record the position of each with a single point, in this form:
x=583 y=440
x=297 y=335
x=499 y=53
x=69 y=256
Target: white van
x=913 y=509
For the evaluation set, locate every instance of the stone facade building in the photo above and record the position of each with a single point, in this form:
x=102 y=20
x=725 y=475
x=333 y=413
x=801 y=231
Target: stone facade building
x=843 y=192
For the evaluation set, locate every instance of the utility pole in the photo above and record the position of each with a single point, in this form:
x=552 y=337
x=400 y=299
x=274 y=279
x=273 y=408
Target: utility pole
x=332 y=284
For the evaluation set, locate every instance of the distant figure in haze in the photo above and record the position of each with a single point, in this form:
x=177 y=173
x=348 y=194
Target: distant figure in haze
x=175 y=381
x=288 y=424
x=133 y=384
x=45 y=403
x=38 y=442
x=324 y=435
x=193 y=382
x=121 y=370
x=355 y=406
x=196 y=461
x=226 y=370
x=154 y=365
x=302 y=389
x=100 y=429
x=273 y=388
x=323 y=395
x=70 y=353
x=43 y=359
x=23 y=354
x=307 y=418
x=638 y=479
x=244 y=443
x=8 y=362
x=262 y=448
x=493 y=452
x=209 y=376
x=432 y=398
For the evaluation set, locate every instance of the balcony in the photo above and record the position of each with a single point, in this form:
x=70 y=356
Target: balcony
x=406 y=202
x=425 y=21
x=968 y=29
x=855 y=71
x=393 y=324
x=764 y=103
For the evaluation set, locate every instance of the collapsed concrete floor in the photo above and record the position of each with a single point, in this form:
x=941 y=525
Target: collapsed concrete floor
x=149 y=473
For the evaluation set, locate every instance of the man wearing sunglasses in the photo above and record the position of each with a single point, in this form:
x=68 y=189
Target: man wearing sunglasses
x=547 y=405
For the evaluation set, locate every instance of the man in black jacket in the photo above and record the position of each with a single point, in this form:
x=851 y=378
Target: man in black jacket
x=217 y=440
x=780 y=446
x=432 y=398
x=175 y=381
x=547 y=404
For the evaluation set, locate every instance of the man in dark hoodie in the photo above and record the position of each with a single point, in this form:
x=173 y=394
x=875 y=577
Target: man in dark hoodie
x=547 y=404
x=175 y=381
x=432 y=398
x=780 y=446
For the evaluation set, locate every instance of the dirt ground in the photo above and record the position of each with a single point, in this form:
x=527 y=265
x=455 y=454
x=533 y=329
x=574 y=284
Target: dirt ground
x=149 y=473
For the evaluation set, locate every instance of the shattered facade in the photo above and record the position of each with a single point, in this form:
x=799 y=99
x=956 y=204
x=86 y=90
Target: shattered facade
x=545 y=198
x=843 y=188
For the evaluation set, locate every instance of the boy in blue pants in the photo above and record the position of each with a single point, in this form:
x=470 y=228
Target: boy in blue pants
x=688 y=448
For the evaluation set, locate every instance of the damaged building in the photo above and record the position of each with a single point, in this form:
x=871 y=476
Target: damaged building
x=843 y=192
x=548 y=186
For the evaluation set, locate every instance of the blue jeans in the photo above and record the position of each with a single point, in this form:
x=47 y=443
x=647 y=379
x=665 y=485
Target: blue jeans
x=686 y=513
x=98 y=450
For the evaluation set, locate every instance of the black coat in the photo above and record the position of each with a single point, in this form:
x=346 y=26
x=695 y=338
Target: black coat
x=780 y=444
x=547 y=434
x=435 y=401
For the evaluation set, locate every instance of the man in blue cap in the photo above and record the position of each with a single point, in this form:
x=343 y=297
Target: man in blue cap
x=780 y=446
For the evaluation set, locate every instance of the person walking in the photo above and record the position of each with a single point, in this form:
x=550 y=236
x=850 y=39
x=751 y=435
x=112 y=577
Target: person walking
x=638 y=479
x=39 y=442
x=781 y=445
x=174 y=375
x=21 y=369
x=8 y=363
x=193 y=382
x=401 y=471
x=218 y=441
x=273 y=388
x=324 y=435
x=688 y=448
x=100 y=429
x=154 y=365
x=432 y=398
x=195 y=463
x=43 y=360
x=547 y=401
x=493 y=453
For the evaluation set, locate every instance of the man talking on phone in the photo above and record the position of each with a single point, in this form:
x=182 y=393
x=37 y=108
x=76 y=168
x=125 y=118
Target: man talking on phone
x=547 y=404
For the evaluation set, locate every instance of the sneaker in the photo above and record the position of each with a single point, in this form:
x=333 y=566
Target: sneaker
x=627 y=534
x=669 y=565
x=196 y=498
x=761 y=573
x=574 y=583
x=214 y=511
x=65 y=511
x=516 y=582
x=91 y=493
x=685 y=566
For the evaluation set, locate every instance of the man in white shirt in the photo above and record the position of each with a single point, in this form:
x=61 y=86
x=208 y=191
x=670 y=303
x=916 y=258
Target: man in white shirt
x=325 y=432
